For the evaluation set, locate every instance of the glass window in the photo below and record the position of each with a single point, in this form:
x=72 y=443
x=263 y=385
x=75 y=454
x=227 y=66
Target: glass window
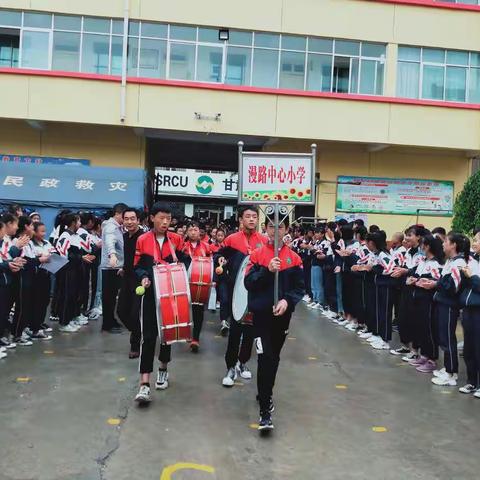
x=209 y=66
x=341 y=75
x=269 y=40
x=475 y=59
x=67 y=22
x=457 y=58
x=35 y=47
x=153 y=58
x=380 y=78
x=183 y=33
x=433 y=82
x=37 y=20
x=95 y=53
x=116 y=60
x=117 y=27
x=66 y=51
x=238 y=66
x=409 y=53
x=132 y=57
x=433 y=55
x=375 y=50
x=292 y=70
x=456 y=84
x=320 y=45
x=408 y=78
x=156 y=30
x=265 y=68
x=291 y=42
x=368 y=77
x=9 y=46
x=319 y=72
x=344 y=47
x=209 y=35
x=474 y=90
x=182 y=61
x=10 y=18
x=354 y=74
x=240 y=38
x=98 y=25
x=133 y=28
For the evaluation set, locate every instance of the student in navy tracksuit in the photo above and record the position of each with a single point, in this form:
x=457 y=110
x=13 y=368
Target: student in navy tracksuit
x=470 y=301
x=271 y=322
x=457 y=250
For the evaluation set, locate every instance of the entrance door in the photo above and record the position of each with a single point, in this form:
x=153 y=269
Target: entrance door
x=213 y=214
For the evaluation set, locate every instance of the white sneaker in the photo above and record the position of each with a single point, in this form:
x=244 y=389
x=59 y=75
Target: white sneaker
x=3 y=355
x=365 y=335
x=306 y=298
x=364 y=329
x=448 y=380
x=410 y=356
x=343 y=323
x=162 y=380
x=312 y=304
x=477 y=393
x=243 y=370
x=81 y=320
x=143 y=395
x=439 y=373
x=230 y=377
x=3 y=349
x=70 y=328
x=94 y=314
x=381 y=345
x=352 y=326
x=468 y=388
x=374 y=339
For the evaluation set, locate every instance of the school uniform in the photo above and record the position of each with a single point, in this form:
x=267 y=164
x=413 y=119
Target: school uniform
x=271 y=331
x=470 y=301
x=151 y=251
x=41 y=286
x=196 y=249
x=398 y=253
x=307 y=258
x=349 y=283
x=5 y=286
x=86 y=246
x=338 y=262
x=448 y=309
x=240 y=336
x=318 y=291
x=329 y=279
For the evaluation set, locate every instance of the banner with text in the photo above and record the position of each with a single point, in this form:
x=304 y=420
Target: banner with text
x=403 y=196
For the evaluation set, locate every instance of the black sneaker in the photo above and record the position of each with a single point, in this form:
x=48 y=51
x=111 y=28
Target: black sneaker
x=271 y=405
x=40 y=335
x=46 y=328
x=265 y=423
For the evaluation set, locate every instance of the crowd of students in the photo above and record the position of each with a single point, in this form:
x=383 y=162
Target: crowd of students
x=421 y=280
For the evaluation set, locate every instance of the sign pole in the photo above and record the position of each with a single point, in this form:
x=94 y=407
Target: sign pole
x=276 y=248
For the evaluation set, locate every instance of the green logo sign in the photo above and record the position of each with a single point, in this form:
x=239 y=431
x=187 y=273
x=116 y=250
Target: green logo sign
x=204 y=184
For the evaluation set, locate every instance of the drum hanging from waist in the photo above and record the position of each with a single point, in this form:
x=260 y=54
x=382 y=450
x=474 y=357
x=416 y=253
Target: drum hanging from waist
x=200 y=276
x=172 y=302
x=240 y=296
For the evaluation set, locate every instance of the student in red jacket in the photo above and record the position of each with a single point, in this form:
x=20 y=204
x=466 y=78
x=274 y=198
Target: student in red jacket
x=236 y=248
x=157 y=246
x=194 y=247
x=270 y=321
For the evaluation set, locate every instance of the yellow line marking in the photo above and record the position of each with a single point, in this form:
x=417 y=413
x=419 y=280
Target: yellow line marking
x=403 y=364
x=121 y=379
x=254 y=426
x=23 y=379
x=218 y=336
x=446 y=392
x=238 y=384
x=379 y=429
x=341 y=387
x=48 y=352
x=292 y=338
x=312 y=358
x=113 y=421
x=168 y=471
x=210 y=322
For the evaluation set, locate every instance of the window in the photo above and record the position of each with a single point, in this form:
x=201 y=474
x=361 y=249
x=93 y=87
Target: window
x=9 y=47
x=435 y=74
x=238 y=66
x=66 y=51
x=265 y=68
x=95 y=53
x=319 y=72
x=182 y=61
x=209 y=64
x=35 y=49
x=153 y=57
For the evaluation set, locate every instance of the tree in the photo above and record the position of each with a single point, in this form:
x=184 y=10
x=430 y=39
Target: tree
x=466 y=211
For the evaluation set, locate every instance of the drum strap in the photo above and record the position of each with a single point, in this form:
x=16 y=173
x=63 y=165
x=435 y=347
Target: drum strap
x=158 y=258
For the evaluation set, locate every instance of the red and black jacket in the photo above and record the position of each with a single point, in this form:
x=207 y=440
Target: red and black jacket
x=148 y=253
x=200 y=249
x=259 y=281
x=236 y=247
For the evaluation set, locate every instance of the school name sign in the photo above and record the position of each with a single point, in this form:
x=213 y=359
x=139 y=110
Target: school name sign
x=403 y=196
x=277 y=178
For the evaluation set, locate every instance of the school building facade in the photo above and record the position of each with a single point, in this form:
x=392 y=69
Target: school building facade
x=385 y=88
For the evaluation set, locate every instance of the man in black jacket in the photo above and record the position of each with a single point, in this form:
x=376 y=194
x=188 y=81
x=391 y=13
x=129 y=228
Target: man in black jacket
x=271 y=322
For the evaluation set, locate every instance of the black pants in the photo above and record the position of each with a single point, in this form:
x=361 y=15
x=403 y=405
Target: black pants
x=148 y=321
x=110 y=287
x=128 y=309
x=4 y=309
x=225 y=301
x=40 y=298
x=384 y=309
x=330 y=286
x=471 y=347
x=67 y=283
x=359 y=298
x=86 y=271
x=307 y=272
x=447 y=318
x=370 y=304
x=348 y=290
x=197 y=313
x=23 y=303
x=270 y=333
x=239 y=334
x=94 y=284
x=406 y=317
x=425 y=333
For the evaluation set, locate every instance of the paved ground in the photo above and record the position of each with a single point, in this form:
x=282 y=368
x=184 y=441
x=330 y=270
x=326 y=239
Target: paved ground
x=66 y=413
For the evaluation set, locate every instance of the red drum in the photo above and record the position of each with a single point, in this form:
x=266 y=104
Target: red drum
x=200 y=275
x=172 y=297
x=240 y=296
